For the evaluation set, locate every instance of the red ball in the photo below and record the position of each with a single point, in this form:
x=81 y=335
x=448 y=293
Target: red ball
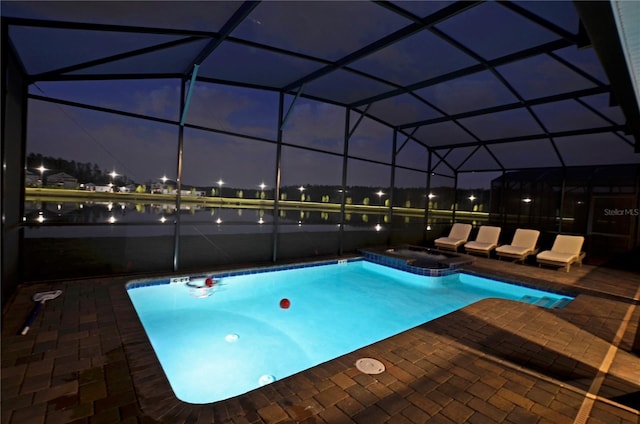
x=208 y=282
x=285 y=303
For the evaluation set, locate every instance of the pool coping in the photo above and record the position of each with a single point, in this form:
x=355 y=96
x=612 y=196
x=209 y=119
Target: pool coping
x=157 y=398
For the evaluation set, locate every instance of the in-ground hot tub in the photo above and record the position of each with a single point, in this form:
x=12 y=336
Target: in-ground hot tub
x=418 y=260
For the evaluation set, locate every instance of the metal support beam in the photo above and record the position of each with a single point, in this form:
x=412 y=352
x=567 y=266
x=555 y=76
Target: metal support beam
x=187 y=102
x=599 y=23
x=427 y=199
x=502 y=207
x=494 y=157
x=563 y=188
x=494 y=63
x=540 y=21
x=345 y=161
x=584 y=131
x=392 y=184
x=409 y=137
x=439 y=16
x=362 y=115
x=573 y=95
x=455 y=197
x=53 y=74
x=468 y=157
x=236 y=19
x=442 y=159
x=176 y=238
x=284 y=120
x=276 y=191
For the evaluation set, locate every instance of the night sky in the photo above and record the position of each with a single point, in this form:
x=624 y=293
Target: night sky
x=317 y=32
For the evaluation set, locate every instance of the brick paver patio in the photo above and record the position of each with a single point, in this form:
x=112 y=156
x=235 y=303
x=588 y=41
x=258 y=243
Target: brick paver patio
x=88 y=360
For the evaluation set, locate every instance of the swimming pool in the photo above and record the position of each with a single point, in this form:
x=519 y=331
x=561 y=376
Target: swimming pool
x=249 y=330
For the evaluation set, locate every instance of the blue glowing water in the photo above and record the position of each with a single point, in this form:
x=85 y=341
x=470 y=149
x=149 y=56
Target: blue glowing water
x=239 y=338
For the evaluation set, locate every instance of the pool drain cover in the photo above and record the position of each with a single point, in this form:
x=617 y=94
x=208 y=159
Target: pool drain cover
x=370 y=366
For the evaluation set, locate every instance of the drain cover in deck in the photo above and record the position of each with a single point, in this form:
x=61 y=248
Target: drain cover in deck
x=370 y=366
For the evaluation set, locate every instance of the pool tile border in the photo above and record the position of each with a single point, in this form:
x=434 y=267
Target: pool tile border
x=379 y=259
x=368 y=256
x=134 y=284
x=403 y=265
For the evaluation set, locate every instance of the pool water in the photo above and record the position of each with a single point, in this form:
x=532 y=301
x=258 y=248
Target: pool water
x=250 y=330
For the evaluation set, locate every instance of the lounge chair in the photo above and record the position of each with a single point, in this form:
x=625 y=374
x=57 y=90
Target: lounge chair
x=458 y=236
x=524 y=244
x=565 y=251
x=485 y=242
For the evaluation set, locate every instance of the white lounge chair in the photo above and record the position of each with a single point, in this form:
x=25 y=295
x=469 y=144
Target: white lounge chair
x=458 y=236
x=565 y=251
x=524 y=244
x=485 y=242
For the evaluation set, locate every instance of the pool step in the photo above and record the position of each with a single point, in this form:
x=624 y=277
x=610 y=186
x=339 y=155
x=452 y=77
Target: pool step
x=561 y=303
x=546 y=302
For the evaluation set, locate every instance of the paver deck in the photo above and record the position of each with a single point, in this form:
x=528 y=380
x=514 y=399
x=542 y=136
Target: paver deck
x=88 y=360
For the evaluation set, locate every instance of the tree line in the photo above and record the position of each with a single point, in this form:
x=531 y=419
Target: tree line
x=83 y=172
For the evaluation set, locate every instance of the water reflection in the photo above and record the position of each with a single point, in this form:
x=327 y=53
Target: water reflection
x=41 y=214
x=56 y=213
x=95 y=213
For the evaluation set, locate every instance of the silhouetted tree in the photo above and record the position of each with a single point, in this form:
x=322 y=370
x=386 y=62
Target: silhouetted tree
x=84 y=172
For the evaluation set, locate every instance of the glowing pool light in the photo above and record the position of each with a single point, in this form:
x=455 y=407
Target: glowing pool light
x=231 y=338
